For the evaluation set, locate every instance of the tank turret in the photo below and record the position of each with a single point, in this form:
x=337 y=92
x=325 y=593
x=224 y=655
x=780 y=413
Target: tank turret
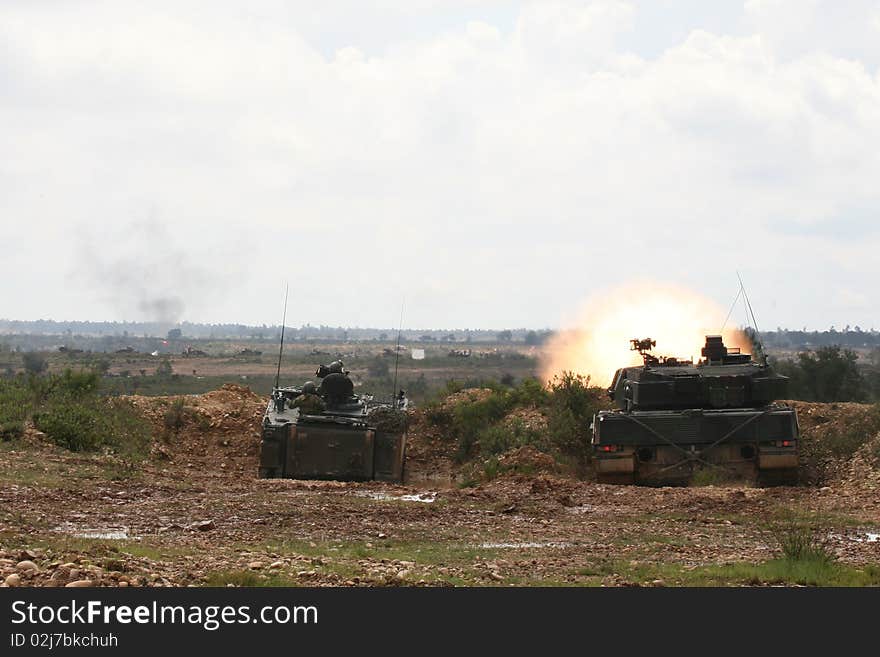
x=724 y=378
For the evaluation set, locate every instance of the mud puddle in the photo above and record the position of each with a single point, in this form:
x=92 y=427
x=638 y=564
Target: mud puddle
x=522 y=546
x=108 y=533
x=427 y=497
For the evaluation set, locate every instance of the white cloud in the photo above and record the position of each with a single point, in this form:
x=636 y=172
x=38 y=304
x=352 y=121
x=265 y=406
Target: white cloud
x=490 y=171
x=796 y=28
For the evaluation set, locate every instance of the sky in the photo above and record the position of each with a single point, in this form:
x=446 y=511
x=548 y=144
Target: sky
x=484 y=164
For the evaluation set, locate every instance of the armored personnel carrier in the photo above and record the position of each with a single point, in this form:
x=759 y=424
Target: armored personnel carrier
x=673 y=417
x=328 y=432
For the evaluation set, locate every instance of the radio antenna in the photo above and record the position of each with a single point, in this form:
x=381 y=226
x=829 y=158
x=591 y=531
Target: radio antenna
x=732 y=306
x=397 y=356
x=756 y=340
x=748 y=303
x=281 y=346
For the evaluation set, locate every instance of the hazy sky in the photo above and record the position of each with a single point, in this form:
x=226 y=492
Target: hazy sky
x=494 y=163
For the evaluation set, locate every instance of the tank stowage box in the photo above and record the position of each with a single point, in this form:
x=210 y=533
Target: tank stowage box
x=328 y=432
x=673 y=417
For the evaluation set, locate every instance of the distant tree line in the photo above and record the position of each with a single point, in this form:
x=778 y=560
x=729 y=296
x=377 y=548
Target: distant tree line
x=69 y=330
x=852 y=337
x=832 y=374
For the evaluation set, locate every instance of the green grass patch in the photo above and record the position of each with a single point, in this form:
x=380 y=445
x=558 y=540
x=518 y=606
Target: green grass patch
x=52 y=473
x=151 y=552
x=420 y=552
x=812 y=571
x=183 y=384
x=775 y=572
x=248 y=578
x=343 y=558
x=709 y=476
x=16 y=403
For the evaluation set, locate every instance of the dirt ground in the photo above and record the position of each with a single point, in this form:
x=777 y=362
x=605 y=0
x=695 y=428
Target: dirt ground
x=195 y=514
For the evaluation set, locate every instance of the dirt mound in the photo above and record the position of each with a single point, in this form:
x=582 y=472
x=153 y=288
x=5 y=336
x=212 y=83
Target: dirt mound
x=430 y=449
x=840 y=442
x=428 y=438
x=527 y=460
x=863 y=470
x=812 y=415
x=388 y=419
x=220 y=424
x=542 y=495
x=230 y=393
x=466 y=396
x=528 y=418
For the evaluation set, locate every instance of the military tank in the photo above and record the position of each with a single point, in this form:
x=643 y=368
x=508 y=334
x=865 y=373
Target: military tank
x=673 y=417
x=327 y=432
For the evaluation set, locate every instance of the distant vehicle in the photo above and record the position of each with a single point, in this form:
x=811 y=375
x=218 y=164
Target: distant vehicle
x=674 y=417
x=328 y=432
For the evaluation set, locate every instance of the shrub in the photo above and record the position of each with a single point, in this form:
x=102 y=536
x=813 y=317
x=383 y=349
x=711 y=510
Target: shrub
x=203 y=421
x=437 y=415
x=417 y=387
x=573 y=391
x=164 y=368
x=77 y=384
x=501 y=438
x=15 y=407
x=68 y=409
x=569 y=404
x=100 y=364
x=34 y=363
x=454 y=385
x=568 y=435
x=495 y=440
x=127 y=433
x=72 y=424
x=92 y=423
x=827 y=375
x=469 y=419
x=378 y=368
x=491 y=468
x=175 y=416
x=40 y=387
x=530 y=392
x=572 y=405
x=798 y=538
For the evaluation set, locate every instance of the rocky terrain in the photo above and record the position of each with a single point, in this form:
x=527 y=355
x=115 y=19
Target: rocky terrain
x=194 y=513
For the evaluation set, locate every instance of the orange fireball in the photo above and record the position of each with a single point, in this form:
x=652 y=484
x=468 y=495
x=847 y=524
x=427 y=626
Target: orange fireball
x=596 y=342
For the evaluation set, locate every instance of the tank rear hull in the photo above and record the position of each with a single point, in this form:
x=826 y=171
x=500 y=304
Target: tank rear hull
x=668 y=447
x=328 y=450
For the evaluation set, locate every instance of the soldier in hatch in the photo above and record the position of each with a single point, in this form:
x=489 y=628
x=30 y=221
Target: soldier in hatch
x=336 y=387
x=309 y=402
